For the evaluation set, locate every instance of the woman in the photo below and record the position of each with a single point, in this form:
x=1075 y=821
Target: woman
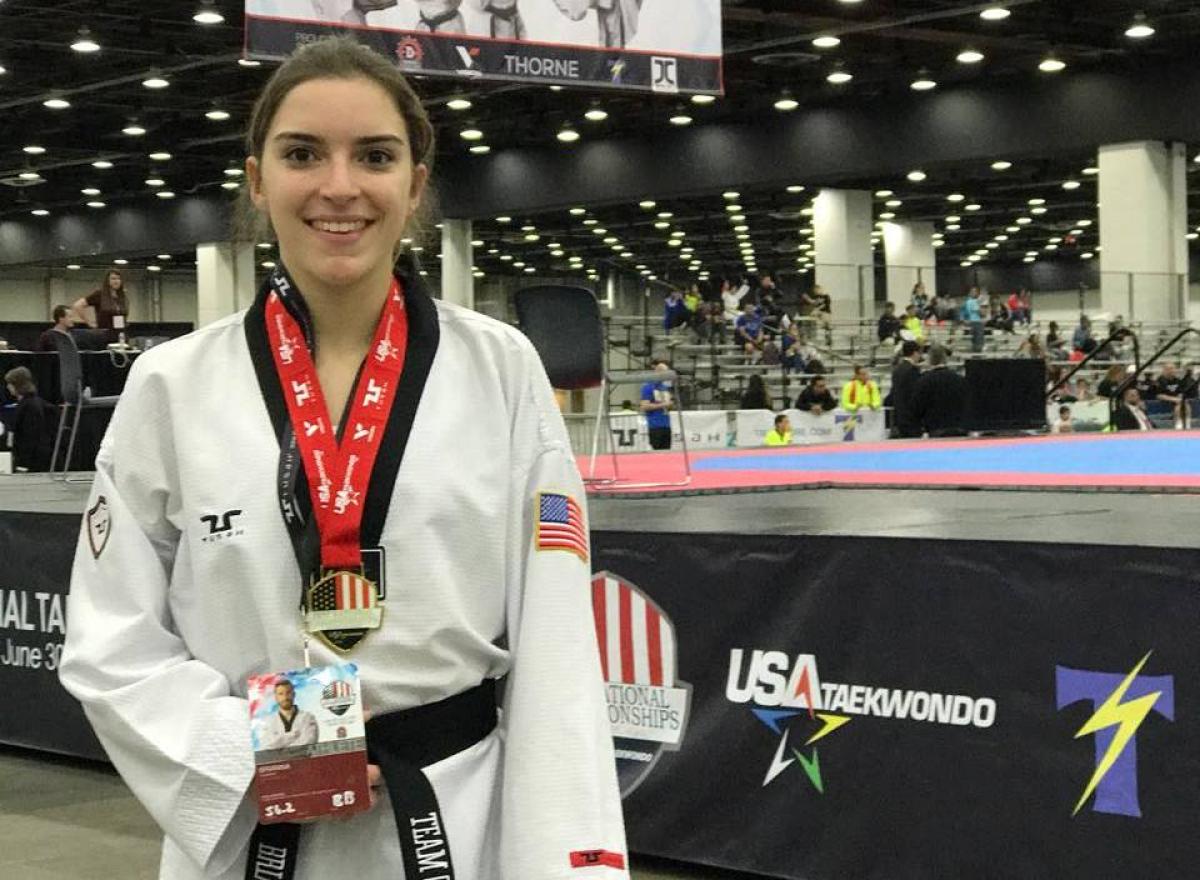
x=221 y=500
x=34 y=423
x=755 y=396
x=110 y=305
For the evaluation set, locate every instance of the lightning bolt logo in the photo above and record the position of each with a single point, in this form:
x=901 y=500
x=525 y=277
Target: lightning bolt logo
x=1126 y=717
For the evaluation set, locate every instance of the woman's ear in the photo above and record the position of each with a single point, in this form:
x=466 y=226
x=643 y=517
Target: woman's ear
x=254 y=179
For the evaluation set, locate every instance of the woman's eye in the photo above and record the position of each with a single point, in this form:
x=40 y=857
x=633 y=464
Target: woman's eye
x=379 y=157
x=300 y=154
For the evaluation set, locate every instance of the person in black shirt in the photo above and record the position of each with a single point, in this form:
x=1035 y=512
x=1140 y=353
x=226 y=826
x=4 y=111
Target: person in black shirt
x=33 y=424
x=816 y=398
x=756 y=396
x=939 y=401
x=1130 y=415
x=889 y=324
x=62 y=324
x=904 y=383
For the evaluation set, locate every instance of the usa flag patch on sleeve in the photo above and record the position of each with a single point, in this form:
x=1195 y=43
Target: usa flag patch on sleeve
x=560 y=525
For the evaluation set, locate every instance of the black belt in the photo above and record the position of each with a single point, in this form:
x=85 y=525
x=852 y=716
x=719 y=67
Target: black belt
x=401 y=743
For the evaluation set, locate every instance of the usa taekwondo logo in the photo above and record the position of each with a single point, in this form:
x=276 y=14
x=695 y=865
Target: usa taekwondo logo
x=647 y=703
x=337 y=697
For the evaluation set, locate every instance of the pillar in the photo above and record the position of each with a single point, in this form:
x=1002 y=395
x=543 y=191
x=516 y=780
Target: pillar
x=458 y=284
x=910 y=255
x=224 y=279
x=845 y=265
x=1143 y=229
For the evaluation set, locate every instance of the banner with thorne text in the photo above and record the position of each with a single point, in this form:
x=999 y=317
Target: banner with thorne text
x=37 y=549
x=662 y=46
x=829 y=707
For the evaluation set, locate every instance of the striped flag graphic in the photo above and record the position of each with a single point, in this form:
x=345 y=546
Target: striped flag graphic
x=637 y=642
x=354 y=591
x=560 y=525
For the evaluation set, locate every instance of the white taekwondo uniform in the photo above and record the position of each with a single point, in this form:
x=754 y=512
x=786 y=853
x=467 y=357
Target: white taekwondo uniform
x=168 y=619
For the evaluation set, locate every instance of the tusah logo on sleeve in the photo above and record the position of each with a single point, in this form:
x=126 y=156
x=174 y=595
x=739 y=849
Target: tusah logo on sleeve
x=99 y=524
x=591 y=858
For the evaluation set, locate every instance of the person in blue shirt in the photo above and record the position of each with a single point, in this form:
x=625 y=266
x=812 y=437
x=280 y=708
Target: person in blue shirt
x=749 y=330
x=675 y=311
x=973 y=316
x=656 y=405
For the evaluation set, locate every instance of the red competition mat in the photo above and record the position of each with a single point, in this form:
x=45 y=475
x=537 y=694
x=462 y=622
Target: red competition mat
x=1132 y=462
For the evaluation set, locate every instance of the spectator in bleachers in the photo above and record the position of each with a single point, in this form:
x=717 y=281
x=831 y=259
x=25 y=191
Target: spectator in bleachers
x=940 y=398
x=34 y=423
x=756 y=396
x=1017 y=309
x=1147 y=385
x=1031 y=347
x=62 y=325
x=691 y=299
x=1056 y=346
x=1112 y=381
x=861 y=392
x=919 y=300
x=913 y=327
x=904 y=383
x=1173 y=388
x=1064 y=425
x=1083 y=391
x=1082 y=340
x=781 y=434
x=771 y=310
x=816 y=397
x=749 y=332
x=972 y=316
x=999 y=317
x=731 y=299
x=1131 y=414
x=657 y=399
x=889 y=325
x=710 y=322
x=817 y=305
x=675 y=311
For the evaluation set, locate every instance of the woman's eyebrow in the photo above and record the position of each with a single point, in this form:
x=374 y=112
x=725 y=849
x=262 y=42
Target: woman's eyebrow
x=304 y=137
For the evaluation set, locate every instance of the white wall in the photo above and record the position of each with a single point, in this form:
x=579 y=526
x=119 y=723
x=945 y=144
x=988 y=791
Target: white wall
x=30 y=295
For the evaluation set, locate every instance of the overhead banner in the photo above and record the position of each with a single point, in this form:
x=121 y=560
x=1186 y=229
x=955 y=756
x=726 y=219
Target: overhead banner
x=635 y=45
x=818 y=707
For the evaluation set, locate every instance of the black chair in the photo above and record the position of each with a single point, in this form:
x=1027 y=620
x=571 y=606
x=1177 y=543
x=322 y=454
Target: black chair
x=565 y=327
x=70 y=383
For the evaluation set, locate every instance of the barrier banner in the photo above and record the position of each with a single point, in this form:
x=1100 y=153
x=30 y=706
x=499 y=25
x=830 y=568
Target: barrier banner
x=633 y=45
x=37 y=549
x=809 y=429
x=830 y=707
x=707 y=429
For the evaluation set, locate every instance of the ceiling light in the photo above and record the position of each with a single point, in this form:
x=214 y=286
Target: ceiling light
x=839 y=77
x=34 y=151
x=731 y=196
x=1036 y=202
x=73 y=266
x=917 y=176
x=1024 y=221
x=737 y=218
x=995 y=13
x=795 y=188
x=208 y=13
x=154 y=181
x=953 y=227
x=39 y=212
x=160 y=156
x=3 y=70
x=827 y=41
x=786 y=103
x=233 y=171
x=883 y=193
x=970 y=56
x=953 y=218
x=956 y=197
x=596 y=114
x=1039 y=211
x=733 y=208
x=576 y=212
x=665 y=215
x=29 y=175
x=216 y=114
x=567 y=135
x=922 y=83
x=480 y=149
x=84 y=42
x=163 y=256
x=1050 y=64
x=165 y=194
x=133 y=129
x=887 y=215
x=1140 y=29
x=893 y=203
x=248 y=62
x=1091 y=170
x=1070 y=184
x=1084 y=223
x=459 y=103
x=471 y=134
x=230 y=184
x=1001 y=165
x=90 y=191
x=95 y=204
x=102 y=164
x=153 y=268
x=589 y=222
x=155 y=82
x=972 y=207
x=703 y=99
x=56 y=103
x=681 y=118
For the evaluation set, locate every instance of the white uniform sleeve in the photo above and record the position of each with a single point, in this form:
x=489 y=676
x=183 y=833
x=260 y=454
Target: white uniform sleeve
x=560 y=792
x=167 y=721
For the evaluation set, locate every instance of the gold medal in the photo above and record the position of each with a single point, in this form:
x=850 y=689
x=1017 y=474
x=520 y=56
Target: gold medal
x=341 y=607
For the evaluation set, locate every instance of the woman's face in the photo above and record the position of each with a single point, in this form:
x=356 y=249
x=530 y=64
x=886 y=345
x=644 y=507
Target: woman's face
x=337 y=180
x=114 y=281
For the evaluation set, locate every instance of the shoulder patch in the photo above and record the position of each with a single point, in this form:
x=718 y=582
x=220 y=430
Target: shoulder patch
x=99 y=524
x=560 y=525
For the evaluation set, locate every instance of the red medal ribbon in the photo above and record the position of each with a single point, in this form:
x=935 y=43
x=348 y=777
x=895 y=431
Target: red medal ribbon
x=339 y=474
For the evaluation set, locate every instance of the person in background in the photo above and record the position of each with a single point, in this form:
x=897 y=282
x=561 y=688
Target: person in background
x=1082 y=340
x=999 y=317
x=731 y=300
x=1173 y=388
x=756 y=396
x=818 y=306
x=1131 y=414
x=748 y=332
x=889 y=325
x=781 y=434
x=62 y=325
x=34 y=423
x=675 y=311
x=860 y=392
x=913 y=329
x=1064 y=425
x=1083 y=391
x=1056 y=346
x=972 y=316
x=109 y=304
x=691 y=299
x=656 y=406
x=1111 y=381
x=920 y=299
x=940 y=398
x=904 y=383
x=1031 y=347
x=1026 y=299
x=816 y=397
